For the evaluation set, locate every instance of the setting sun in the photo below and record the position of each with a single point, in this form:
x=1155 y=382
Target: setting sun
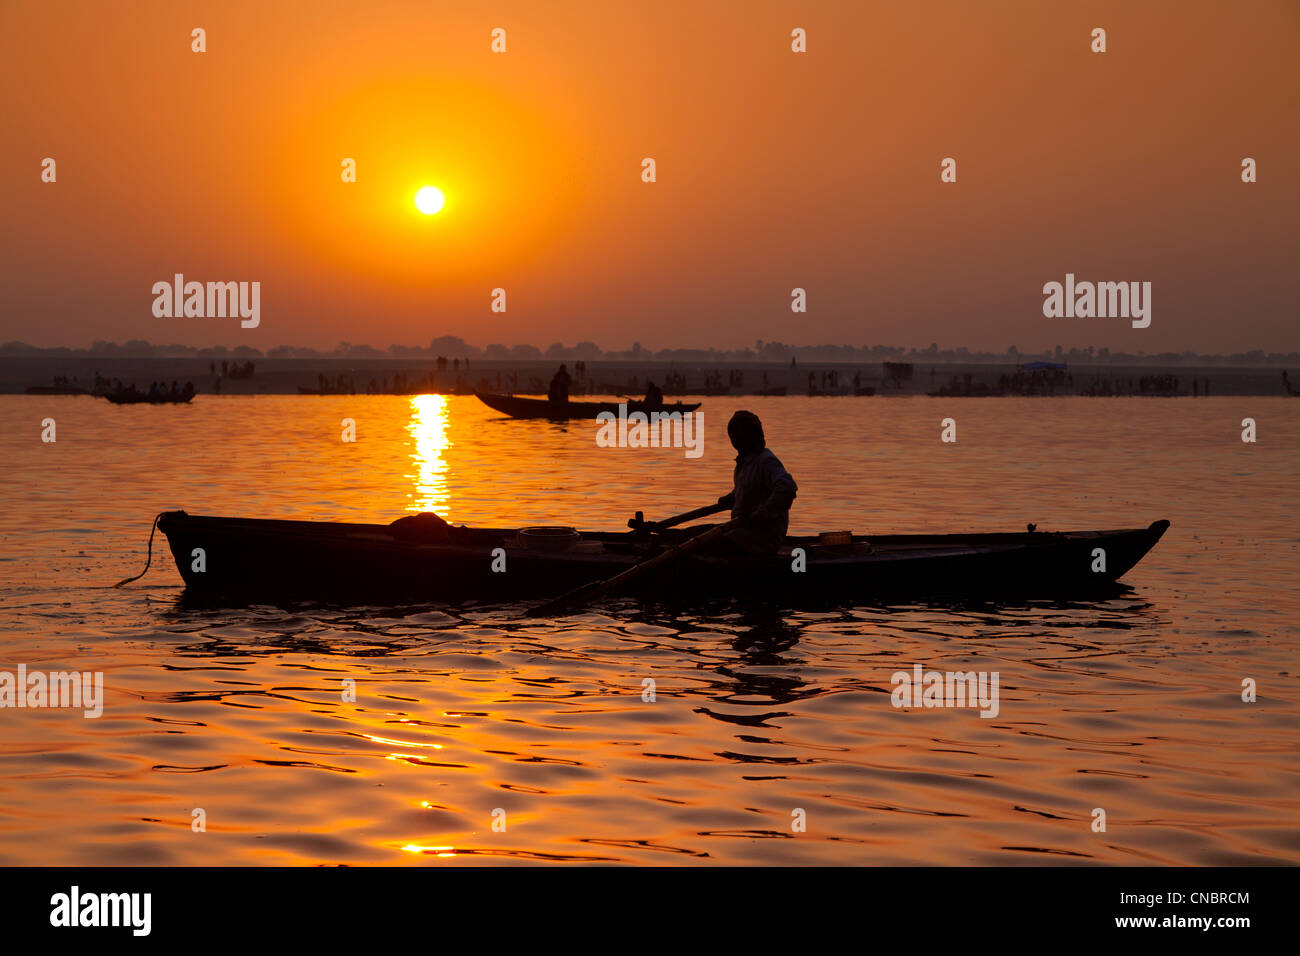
x=429 y=200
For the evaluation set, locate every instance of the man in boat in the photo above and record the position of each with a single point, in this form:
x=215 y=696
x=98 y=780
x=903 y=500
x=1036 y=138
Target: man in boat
x=763 y=490
x=654 y=396
x=559 y=390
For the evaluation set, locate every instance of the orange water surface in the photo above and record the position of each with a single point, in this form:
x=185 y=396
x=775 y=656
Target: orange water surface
x=466 y=717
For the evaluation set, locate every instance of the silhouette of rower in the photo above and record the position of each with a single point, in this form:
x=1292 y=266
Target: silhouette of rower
x=559 y=390
x=654 y=395
x=763 y=490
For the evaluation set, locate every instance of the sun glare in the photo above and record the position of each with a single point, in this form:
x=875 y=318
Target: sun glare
x=428 y=428
x=429 y=200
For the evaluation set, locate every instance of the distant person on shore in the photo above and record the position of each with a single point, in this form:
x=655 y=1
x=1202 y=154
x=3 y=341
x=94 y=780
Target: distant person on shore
x=763 y=490
x=559 y=390
x=654 y=395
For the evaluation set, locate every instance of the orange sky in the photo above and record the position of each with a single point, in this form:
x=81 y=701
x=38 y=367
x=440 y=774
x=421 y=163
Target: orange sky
x=775 y=170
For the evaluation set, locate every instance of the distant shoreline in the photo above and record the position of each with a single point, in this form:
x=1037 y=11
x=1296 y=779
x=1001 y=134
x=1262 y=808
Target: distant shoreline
x=281 y=376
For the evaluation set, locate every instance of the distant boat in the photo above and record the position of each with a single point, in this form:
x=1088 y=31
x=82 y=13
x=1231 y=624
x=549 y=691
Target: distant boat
x=545 y=408
x=141 y=398
x=135 y=397
x=56 y=390
x=773 y=390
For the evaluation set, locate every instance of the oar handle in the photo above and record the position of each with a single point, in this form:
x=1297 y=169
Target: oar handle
x=586 y=593
x=638 y=523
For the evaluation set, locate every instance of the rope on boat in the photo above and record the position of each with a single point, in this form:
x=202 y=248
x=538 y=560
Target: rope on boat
x=149 y=560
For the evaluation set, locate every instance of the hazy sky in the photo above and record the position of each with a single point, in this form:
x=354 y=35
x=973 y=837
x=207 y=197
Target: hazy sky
x=775 y=170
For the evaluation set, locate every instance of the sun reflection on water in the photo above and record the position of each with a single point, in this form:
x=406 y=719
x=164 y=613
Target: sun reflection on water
x=428 y=426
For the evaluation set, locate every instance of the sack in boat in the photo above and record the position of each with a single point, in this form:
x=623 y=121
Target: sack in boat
x=425 y=526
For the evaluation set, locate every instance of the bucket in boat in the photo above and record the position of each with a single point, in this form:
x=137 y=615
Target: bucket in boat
x=835 y=539
x=548 y=538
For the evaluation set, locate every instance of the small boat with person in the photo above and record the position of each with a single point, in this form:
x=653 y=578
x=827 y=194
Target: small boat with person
x=133 y=396
x=516 y=407
x=422 y=557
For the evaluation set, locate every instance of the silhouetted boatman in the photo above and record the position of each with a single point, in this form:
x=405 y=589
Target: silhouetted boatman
x=763 y=490
x=654 y=396
x=559 y=390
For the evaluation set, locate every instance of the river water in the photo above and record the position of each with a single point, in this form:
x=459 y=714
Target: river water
x=480 y=736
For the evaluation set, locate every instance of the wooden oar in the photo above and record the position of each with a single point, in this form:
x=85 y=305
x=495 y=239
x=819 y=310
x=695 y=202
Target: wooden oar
x=589 y=592
x=638 y=523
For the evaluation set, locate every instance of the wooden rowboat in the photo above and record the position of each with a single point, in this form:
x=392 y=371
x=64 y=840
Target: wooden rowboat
x=140 y=398
x=544 y=408
x=285 y=560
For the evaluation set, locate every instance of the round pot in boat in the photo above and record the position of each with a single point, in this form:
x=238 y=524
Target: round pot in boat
x=548 y=538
